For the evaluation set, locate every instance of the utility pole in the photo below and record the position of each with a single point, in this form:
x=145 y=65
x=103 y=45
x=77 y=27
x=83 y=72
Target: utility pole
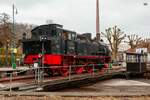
x=97 y=21
x=13 y=38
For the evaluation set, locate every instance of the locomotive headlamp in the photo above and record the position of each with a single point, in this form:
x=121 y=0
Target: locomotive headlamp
x=43 y=38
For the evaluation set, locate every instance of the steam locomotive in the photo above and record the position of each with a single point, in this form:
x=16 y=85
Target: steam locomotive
x=57 y=49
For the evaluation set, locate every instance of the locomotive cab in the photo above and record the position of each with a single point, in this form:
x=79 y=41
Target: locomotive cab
x=68 y=42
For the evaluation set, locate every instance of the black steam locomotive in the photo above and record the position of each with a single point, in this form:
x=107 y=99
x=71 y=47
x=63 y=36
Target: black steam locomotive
x=61 y=48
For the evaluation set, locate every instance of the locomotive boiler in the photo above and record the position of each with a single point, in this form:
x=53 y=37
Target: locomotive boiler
x=59 y=48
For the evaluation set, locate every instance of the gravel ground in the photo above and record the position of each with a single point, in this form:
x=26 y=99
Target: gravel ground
x=114 y=89
x=72 y=98
x=116 y=86
x=123 y=82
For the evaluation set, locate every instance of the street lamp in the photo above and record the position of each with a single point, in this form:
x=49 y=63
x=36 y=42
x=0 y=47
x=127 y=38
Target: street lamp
x=13 y=37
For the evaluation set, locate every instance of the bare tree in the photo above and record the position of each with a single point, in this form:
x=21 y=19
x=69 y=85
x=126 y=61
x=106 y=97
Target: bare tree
x=4 y=19
x=133 y=40
x=5 y=29
x=144 y=43
x=5 y=33
x=114 y=36
x=21 y=28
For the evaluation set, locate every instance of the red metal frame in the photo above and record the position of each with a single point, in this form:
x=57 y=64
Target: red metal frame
x=31 y=58
x=52 y=59
x=60 y=63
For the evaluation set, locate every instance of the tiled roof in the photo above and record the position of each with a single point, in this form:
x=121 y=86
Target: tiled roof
x=131 y=50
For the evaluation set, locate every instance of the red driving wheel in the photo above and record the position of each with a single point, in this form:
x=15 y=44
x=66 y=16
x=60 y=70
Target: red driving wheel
x=64 y=70
x=79 y=70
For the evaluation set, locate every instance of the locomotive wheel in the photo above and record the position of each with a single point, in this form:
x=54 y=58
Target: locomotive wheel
x=106 y=65
x=79 y=70
x=89 y=69
x=102 y=71
x=64 y=70
x=49 y=72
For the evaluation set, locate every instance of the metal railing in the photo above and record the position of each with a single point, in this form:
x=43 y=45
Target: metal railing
x=39 y=74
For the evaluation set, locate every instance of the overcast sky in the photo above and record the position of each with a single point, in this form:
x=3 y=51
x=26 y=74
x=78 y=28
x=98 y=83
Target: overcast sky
x=79 y=15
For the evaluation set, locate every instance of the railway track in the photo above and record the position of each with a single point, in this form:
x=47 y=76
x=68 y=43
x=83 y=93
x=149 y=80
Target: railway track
x=77 y=81
x=54 y=83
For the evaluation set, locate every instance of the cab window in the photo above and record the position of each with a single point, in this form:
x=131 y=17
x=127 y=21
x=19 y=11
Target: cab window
x=69 y=36
x=73 y=36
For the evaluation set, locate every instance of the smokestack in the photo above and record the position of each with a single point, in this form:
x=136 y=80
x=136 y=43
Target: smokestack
x=97 y=21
